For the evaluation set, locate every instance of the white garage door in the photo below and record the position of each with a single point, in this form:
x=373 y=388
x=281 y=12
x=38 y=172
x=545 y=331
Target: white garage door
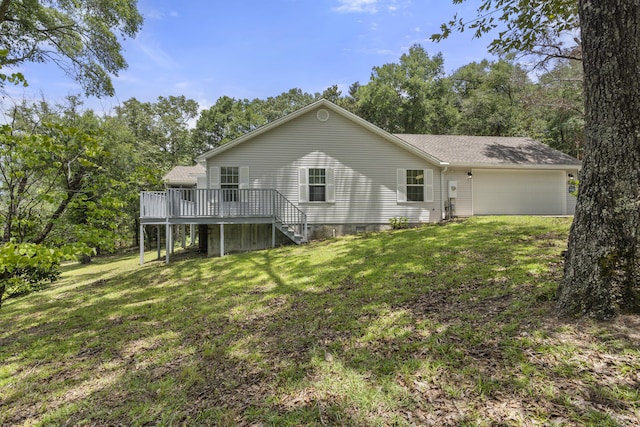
x=512 y=192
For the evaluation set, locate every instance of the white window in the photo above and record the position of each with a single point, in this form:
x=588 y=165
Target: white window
x=316 y=185
x=230 y=178
x=229 y=183
x=415 y=185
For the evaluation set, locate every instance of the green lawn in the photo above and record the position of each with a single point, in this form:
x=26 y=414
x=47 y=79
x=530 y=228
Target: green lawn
x=445 y=325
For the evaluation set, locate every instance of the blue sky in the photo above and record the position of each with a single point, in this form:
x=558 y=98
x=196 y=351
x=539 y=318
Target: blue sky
x=205 y=49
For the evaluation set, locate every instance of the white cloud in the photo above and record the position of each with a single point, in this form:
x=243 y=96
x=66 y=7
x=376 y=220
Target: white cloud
x=183 y=85
x=153 y=14
x=396 y=5
x=157 y=14
x=152 y=50
x=357 y=6
x=127 y=77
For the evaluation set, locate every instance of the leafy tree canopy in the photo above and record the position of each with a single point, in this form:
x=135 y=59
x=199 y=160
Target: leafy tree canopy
x=408 y=97
x=492 y=99
x=530 y=26
x=81 y=37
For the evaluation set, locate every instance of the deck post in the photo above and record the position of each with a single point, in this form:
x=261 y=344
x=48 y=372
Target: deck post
x=141 y=243
x=183 y=230
x=167 y=243
x=273 y=233
x=221 y=239
x=167 y=232
x=192 y=235
x=172 y=237
x=273 y=223
x=158 y=233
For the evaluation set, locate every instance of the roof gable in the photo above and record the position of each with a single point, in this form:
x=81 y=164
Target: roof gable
x=444 y=150
x=459 y=150
x=335 y=109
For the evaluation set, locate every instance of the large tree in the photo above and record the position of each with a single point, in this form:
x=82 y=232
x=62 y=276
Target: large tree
x=227 y=119
x=52 y=159
x=491 y=98
x=162 y=129
x=81 y=37
x=602 y=269
x=558 y=104
x=602 y=265
x=411 y=96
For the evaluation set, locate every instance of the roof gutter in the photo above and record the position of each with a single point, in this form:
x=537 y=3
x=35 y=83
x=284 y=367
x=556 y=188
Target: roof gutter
x=515 y=166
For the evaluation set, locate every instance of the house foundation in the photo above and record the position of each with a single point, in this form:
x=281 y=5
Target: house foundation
x=325 y=231
x=230 y=238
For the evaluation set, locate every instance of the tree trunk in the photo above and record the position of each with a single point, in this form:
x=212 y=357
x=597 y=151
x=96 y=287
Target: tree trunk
x=73 y=187
x=602 y=268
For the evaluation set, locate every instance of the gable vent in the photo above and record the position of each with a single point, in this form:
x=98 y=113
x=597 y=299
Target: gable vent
x=322 y=115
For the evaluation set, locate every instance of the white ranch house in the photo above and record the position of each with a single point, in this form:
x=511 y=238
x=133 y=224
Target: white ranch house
x=323 y=171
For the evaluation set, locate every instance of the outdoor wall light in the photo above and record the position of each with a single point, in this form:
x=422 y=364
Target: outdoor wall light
x=469 y=175
x=570 y=175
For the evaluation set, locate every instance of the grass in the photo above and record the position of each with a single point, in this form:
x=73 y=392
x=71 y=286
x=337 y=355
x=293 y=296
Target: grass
x=445 y=325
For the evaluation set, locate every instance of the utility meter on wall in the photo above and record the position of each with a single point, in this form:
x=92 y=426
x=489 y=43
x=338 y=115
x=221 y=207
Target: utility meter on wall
x=453 y=189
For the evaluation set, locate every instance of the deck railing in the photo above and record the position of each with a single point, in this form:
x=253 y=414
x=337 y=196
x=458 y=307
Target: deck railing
x=153 y=204
x=183 y=203
x=288 y=214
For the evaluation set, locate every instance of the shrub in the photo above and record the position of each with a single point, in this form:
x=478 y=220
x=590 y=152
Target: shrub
x=399 y=222
x=25 y=267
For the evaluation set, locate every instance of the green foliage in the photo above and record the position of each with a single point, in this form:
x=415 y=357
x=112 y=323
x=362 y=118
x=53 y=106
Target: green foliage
x=533 y=26
x=25 y=267
x=161 y=130
x=398 y=223
x=227 y=119
x=491 y=98
x=558 y=102
x=42 y=173
x=13 y=78
x=576 y=185
x=70 y=176
x=81 y=38
x=411 y=96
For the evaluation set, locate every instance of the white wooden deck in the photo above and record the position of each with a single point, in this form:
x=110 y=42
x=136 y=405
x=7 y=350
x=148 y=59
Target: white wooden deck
x=222 y=206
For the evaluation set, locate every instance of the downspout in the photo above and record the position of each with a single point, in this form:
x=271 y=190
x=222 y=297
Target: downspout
x=442 y=190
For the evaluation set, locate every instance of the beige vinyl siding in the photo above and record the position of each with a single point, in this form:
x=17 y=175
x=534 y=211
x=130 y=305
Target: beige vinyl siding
x=571 y=203
x=464 y=201
x=364 y=167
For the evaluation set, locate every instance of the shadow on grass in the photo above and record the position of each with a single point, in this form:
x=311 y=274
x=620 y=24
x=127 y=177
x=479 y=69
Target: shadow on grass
x=445 y=323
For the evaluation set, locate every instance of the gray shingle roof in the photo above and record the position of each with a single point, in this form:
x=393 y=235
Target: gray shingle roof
x=488 y=150
x=184 y=175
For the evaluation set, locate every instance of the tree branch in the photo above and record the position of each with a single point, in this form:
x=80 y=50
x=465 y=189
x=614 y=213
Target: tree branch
x=4 y=6
x=72 y=188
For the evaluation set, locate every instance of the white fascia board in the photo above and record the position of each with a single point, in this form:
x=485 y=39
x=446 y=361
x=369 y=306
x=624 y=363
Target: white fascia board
x=514 y=166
